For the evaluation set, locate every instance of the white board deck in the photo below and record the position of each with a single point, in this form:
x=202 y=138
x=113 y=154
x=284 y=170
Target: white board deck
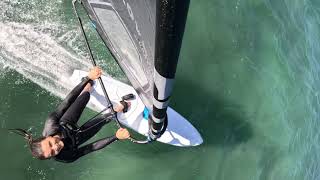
x=179 y=131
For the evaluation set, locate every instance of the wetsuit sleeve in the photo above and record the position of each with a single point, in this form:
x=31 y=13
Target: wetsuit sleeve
x=52 y=123
x=97 y=145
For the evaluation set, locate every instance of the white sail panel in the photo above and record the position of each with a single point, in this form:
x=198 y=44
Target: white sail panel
x=128 y=29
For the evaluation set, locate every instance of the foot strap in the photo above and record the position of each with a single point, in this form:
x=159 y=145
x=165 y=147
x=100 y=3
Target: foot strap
x=128 y=97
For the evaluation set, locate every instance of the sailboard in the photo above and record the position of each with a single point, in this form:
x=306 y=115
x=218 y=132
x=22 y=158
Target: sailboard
x=179 y=131
x=145 y=37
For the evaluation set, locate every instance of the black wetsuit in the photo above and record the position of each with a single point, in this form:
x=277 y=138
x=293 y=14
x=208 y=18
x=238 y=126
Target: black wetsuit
x=64 y=120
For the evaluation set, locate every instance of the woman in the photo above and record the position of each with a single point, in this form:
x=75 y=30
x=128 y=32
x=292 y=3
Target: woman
x=62 y=138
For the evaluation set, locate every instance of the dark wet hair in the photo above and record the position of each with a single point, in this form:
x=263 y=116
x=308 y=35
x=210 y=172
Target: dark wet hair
x=34 y=144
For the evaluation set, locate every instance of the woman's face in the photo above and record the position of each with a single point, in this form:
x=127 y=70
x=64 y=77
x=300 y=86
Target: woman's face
x=51 y=146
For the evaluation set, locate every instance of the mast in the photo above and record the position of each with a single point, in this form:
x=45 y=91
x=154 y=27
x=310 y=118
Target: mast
x=171 y=18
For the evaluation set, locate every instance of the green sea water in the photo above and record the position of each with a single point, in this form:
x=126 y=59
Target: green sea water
x=248 y=80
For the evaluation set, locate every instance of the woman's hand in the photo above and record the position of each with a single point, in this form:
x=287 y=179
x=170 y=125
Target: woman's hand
x=122 y=133
x=95 y=73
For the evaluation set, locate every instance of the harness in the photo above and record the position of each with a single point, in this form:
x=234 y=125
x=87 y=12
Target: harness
x=70 y=131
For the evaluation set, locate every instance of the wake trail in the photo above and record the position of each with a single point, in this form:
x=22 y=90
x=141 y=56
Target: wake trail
x=39 y=57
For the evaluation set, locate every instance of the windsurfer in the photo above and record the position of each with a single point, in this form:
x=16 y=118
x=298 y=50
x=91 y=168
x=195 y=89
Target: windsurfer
x=62 y=138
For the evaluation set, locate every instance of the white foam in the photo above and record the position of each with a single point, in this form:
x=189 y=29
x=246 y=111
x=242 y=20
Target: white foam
x=34 y=53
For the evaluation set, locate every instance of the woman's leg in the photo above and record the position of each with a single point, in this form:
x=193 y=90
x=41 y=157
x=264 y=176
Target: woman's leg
x=92 y=127
x=74 y=112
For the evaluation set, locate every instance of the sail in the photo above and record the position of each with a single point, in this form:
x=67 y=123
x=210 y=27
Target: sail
x=145 y=37
x=128 y=29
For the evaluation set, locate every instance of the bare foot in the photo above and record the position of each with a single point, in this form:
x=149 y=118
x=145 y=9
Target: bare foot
x=119 y=107
x=87 y=88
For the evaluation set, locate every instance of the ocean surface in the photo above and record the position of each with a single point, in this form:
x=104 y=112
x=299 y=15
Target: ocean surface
x=248 y=79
